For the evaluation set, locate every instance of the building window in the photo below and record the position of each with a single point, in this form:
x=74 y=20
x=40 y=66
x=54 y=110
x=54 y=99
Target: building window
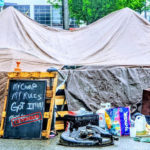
x=72 y=23
x=42 y=14
x=57 y=17
x=25 y=9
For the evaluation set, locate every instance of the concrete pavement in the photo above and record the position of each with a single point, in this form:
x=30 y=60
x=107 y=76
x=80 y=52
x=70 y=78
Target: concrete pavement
x=124 y=143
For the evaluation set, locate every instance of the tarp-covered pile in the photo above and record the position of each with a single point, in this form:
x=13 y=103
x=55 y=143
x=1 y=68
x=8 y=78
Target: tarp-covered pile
x=121 y=39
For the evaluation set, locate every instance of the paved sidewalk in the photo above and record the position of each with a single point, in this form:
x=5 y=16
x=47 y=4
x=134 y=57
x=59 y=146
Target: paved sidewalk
x=124 y=143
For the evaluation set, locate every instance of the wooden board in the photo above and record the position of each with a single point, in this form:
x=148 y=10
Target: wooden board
x=25 y=109
x=60 y=102
x=48 y=99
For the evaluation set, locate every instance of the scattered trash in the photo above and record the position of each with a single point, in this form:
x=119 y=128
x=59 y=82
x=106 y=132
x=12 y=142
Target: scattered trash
x=87 y=136
x=132 y=129
x=118 y=121
x=75 y=121
x=148 y=128
x=82 y=111
x=140 y=125
x=53 y=133
x=142 y=139
x=101 y=113
x=145 y=139
x=83 y=130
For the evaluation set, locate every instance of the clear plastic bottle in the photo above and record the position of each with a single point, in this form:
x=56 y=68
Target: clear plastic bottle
x=102 y=122
x=101 y=113
x=132 y=129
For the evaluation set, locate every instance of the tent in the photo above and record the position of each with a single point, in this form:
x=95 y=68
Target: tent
x=114 y=52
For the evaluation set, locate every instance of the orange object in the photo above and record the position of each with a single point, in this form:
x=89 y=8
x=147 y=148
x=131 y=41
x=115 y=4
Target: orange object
x=17 y=69
x=108 y=120
x=72 y=29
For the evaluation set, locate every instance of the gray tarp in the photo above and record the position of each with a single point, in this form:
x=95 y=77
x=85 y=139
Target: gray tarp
x=89 y=86
x=120 y=86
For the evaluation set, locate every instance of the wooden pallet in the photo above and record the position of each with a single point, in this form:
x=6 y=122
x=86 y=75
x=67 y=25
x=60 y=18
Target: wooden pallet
x=50 y=96
x=59 y=101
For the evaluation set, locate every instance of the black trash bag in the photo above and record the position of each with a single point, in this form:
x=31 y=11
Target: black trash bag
x=87 y=136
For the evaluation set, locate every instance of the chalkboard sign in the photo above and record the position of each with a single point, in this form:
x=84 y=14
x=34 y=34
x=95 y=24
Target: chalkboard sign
x=25 y=109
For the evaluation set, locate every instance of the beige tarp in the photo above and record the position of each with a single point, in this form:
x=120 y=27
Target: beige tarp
x=121 y=38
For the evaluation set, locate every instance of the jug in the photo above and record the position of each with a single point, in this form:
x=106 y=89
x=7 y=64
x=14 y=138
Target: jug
x=101 y=113
x=140 y=125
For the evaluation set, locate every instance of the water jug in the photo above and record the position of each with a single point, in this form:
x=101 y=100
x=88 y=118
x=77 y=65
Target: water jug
x=140 y=125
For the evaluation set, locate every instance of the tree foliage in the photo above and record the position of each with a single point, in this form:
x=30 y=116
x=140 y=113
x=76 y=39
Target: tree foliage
x=92 y=10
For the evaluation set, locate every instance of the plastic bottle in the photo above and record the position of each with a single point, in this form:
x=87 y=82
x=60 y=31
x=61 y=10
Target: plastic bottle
x=140 y=125
x=101 y=113
x=102 y=122
x=132 y=129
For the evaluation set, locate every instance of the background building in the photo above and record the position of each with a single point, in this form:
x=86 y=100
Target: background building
x=44 y=13
x=40 y=11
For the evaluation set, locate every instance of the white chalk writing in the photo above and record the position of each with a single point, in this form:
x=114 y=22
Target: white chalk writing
x=25 y=96
x=16 y=108
x=32 y=106
x=23 y=86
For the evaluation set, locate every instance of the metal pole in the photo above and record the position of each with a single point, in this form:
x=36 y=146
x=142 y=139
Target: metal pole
x=145 y=10
x=65 y=10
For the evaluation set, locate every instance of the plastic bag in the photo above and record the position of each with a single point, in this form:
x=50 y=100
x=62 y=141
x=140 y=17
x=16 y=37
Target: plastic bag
x=118 y=121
